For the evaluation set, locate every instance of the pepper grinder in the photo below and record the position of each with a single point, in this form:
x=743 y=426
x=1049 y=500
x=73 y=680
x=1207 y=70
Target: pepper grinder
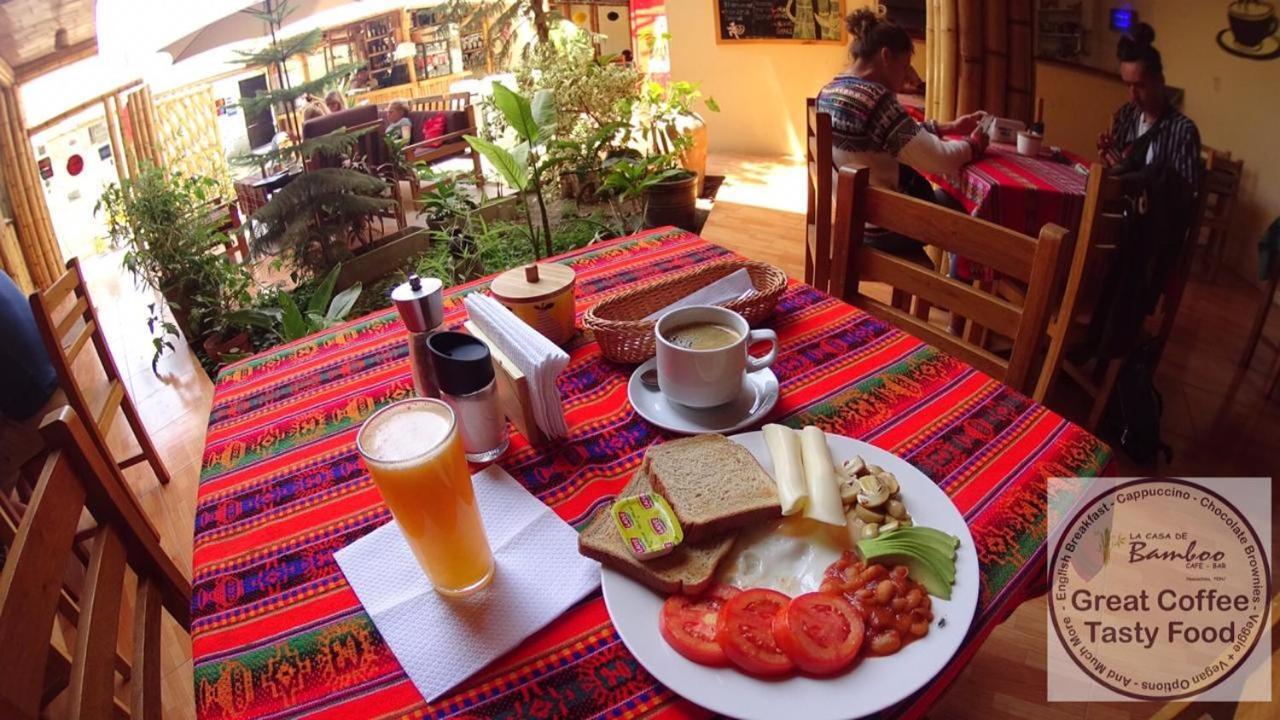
x=421 y=305
x=464 y=374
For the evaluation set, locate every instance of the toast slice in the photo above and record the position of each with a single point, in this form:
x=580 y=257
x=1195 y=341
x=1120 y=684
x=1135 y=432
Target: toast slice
x=689 y=568
x=713 y=484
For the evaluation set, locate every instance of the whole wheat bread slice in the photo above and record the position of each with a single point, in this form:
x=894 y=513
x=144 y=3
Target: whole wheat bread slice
x=689 y=568
x=713 y=484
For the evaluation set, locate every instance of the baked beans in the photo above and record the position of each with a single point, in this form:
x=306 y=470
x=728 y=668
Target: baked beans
x=896 y=608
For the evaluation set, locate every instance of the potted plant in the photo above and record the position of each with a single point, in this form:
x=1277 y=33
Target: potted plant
x=659 y=192
x=172 y=243
x=671 y=124
x=281 y=315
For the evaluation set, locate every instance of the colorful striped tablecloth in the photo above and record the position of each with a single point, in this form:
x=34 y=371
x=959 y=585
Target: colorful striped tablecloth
x=277 y=631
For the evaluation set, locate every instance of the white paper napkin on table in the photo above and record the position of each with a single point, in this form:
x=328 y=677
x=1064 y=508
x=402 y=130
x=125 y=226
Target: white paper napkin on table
x=733 y=286
x=442 y=641
x=538 y=358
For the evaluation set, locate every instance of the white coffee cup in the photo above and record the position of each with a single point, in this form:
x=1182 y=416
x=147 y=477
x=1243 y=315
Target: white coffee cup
x=1029 y=143
x=707 y=378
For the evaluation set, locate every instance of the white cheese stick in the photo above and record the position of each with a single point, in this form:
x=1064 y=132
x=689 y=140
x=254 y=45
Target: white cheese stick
x=788 y=469
x=820 y=476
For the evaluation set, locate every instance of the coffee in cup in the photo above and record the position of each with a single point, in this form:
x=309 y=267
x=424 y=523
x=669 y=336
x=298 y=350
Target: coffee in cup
x=702 y=354
x=702 y=336
x=1251 y=22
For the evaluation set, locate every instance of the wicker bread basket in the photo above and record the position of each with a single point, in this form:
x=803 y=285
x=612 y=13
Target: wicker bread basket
x=625 y=337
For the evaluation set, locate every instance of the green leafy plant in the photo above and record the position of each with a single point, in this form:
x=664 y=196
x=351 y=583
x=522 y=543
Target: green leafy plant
x=663 y=110
x=627 y=180
x=281 y=315
x=521 y=167
x=591 y=92
x=316 y=214
x=165 y=223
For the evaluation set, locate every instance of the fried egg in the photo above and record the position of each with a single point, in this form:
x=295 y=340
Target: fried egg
x=789 y=555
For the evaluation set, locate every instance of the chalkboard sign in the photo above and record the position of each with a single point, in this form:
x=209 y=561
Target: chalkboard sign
x=802 y=21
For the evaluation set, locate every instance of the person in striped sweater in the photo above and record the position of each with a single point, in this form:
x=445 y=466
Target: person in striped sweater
x=1149 y=125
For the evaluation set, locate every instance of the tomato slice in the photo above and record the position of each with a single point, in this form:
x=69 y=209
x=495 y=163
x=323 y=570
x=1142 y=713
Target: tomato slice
x=688 y=624
x=745 y=631
x=821 y=633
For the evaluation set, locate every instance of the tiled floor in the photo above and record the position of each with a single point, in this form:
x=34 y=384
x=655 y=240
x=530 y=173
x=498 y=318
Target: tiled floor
x=1216 y=418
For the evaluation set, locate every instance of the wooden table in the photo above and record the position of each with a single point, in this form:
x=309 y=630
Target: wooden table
x=276 y=628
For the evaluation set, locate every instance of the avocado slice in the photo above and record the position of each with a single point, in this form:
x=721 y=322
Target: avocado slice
x=942 y=543
x=943 y=566
x=921 y=570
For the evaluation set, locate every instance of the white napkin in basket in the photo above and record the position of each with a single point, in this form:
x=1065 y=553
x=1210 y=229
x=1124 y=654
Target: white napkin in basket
x=734 y=286
x=538 y=358
x=442 y=641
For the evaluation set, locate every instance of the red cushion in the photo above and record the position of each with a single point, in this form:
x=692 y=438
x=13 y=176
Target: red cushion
x=433 y=127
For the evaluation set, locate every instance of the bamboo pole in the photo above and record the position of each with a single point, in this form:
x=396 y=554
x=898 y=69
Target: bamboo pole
x=153 y=130
x=1021 y=75
x=138 y=105
x=128 y=134
x=48 y=239
x=113 y=132
x=947 y=59
x=969 y=87
x=25 y=194
x=995 y=71
x=930 y=59
x=15 y=265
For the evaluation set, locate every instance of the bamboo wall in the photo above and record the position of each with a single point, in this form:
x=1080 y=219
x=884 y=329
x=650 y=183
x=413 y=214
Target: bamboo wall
x=188 y=135
x=31 y=230
x=979 y=55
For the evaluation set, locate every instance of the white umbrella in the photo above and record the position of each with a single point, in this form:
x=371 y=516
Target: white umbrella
x=307 y=14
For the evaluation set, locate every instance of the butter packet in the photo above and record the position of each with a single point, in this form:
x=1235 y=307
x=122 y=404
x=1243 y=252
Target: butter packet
x=647 y=525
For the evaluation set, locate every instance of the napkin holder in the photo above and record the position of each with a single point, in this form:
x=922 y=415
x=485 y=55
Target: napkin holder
x=513 y=390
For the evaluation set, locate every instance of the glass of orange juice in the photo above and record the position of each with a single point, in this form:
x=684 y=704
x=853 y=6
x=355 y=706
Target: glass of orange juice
x=413 y=451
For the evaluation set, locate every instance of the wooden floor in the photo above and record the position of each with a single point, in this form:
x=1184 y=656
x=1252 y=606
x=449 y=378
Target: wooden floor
x=1216 y=419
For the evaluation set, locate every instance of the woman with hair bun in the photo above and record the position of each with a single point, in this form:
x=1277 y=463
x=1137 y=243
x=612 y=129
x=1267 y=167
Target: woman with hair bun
x=870 y=128
x=1148 y=131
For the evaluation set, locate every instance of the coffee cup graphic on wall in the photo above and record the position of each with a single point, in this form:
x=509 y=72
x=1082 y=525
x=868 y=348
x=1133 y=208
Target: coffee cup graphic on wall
x=1251 y=30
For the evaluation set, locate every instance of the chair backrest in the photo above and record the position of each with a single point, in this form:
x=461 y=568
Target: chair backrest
x=349 y=119
x=1033 y=261
x=1088 y=257
x=818 y=265
x=76 y=476
x=65 y=348
x=456 y=102
x=1219 y=190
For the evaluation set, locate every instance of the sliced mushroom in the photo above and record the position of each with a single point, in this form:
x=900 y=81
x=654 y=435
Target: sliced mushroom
x=874 y=469
x=855 y=467
x=905 y=523
x=867 y=514
x=896 y=509
x=874 y=493
x=870 y=530
x=890 y=481
x=849 y=489
x=890 y=526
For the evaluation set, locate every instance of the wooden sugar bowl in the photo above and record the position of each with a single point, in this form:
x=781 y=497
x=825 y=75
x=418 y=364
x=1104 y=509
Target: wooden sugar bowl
x=540 y=295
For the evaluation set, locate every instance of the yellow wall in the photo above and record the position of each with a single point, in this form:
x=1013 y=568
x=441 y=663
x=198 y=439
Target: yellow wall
x=1234 y=102
x=760 y=87
x=1077 y=105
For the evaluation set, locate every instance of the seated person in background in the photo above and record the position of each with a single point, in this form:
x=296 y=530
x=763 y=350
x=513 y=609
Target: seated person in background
x=1148 y=130
x=313 y=110
x=335 y=102
x=398 y=124
x=870 y=128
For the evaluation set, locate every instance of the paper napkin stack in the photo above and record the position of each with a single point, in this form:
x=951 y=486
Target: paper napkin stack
x=538 y=358
x=442 y=641
x=734 y=286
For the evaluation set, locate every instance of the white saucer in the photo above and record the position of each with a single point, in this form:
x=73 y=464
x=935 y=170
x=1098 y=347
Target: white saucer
x=759 y=395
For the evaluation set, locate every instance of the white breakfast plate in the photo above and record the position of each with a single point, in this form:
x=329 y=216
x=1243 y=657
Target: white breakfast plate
x=874 y=683
x=759 y=395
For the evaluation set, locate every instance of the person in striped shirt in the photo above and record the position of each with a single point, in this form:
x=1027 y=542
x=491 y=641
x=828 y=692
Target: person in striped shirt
x=1148 y=124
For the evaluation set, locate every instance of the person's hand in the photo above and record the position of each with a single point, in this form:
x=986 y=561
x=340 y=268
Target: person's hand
x=1107 y=149
x=979 y=141
x=965 y=124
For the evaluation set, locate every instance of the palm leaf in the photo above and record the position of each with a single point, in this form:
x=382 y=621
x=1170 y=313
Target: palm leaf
x=295 y=326
x=515 y=173
x=324 y=291
x=341 y=306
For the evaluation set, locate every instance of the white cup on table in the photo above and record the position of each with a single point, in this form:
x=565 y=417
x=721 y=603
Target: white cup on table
x=708 y=371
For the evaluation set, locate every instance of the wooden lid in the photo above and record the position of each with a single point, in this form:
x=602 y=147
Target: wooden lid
x=532 y=282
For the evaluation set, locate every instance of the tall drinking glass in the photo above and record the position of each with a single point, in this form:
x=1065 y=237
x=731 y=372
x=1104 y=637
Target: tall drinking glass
x=414 y=453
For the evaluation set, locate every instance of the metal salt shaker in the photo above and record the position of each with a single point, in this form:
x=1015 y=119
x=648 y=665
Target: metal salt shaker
x=465 y=376
x=421 y=305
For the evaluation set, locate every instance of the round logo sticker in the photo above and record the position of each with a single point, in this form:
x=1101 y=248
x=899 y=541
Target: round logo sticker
x=1159 y=589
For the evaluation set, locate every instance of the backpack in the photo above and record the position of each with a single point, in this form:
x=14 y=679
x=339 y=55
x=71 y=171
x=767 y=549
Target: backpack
x=1133 y=413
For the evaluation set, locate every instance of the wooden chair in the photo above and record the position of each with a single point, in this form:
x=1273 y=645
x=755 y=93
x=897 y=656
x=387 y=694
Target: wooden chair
x=1220 y=191
x=817 y=239
x=1033 y=261
x=1089 y=256
x=64 y=347
x=77 y=476
x=456 y=102
x=1260 y=320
